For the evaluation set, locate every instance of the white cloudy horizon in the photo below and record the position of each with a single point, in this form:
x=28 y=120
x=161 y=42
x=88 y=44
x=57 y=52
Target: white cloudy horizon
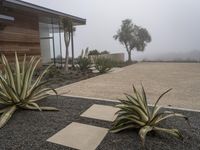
x=173 y=24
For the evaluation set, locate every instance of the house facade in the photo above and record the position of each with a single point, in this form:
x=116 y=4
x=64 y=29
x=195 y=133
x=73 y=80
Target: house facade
x=30 y=29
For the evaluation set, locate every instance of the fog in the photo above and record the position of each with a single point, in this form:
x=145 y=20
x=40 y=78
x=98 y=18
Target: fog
x=173 y=24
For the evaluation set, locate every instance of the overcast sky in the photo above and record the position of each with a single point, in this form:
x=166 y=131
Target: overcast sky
x=173 y=24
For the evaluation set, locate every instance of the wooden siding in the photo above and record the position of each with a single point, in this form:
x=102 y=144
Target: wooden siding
x=21 y=36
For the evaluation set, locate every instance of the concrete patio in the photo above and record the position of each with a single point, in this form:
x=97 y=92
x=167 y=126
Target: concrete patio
x=184 y=78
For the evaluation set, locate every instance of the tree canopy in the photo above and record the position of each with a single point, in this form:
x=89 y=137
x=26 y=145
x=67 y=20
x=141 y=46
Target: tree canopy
x=133 y=37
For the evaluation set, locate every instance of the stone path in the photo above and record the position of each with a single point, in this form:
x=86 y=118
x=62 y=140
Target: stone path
x=101 y=112
x=82 y=136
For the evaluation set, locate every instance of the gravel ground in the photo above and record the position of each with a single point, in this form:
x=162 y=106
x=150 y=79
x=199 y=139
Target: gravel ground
x=29 y=130
x=184 y=78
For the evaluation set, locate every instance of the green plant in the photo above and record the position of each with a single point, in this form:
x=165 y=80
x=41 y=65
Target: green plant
x=135 y=113
x=54 y=72
x=94 y=52
x=105 y=52
x=84 y=53
x=84 y=63
x=132 y=37
x=17 y=88
x=103 y=64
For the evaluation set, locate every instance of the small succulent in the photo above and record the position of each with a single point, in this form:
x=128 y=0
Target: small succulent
x=84 y=64
x=103 y=64
x=134 y=112
x=18 y=90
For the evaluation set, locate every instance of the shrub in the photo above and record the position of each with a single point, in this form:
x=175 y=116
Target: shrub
x=135 y=113
x=18 y=90
x=94 y=52
x=103 y=64
x=84 y=63
x=54 y=72
x=105 y=52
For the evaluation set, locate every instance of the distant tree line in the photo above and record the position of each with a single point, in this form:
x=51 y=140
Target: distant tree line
x=96 y=52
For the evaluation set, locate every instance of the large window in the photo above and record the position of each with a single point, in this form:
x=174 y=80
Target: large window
x=51 y=43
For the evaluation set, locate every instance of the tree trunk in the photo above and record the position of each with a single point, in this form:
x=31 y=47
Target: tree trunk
x=66 y=67
x=129 y=56
x=72 y=44
x=67 y=41
x=129 y=52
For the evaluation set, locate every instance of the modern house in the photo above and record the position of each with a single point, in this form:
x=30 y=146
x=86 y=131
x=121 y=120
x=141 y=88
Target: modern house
x=31 y=29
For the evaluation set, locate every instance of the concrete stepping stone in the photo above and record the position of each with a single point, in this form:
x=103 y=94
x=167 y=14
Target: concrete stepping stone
x=101 y=112
x=79 y=136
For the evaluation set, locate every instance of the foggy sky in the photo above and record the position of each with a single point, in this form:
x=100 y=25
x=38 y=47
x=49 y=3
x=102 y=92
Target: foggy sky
x=173 y=24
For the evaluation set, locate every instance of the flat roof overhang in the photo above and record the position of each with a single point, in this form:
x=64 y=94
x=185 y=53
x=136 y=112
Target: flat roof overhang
x=6 y=19
x=45 y=15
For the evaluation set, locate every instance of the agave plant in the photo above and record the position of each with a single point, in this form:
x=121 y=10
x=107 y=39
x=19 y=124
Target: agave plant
x=103 y=64
x=84 y=63
x=17 y=88
x=134 y=112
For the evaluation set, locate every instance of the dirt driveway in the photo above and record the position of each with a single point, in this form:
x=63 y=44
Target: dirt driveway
x=184 y=78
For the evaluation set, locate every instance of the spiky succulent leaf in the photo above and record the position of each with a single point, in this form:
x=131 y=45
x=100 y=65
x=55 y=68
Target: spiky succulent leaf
x=17 y=89
x=164 y=116
x=8 y=72
x=122 y=127
x=174 y=132
x=18 y=75
x=41 y=108
x=161 y=97
x=7 y=115
x=143 y=132
x=134 y=112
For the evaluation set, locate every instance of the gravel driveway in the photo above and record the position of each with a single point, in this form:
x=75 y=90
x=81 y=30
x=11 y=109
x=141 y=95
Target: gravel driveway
x=184 y=78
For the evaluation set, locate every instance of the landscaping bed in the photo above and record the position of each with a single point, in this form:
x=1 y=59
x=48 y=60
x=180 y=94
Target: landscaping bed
x=29 y=130
x=58 y=77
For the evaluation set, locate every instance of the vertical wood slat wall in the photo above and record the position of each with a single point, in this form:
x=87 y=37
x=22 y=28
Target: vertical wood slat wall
x=21 y=36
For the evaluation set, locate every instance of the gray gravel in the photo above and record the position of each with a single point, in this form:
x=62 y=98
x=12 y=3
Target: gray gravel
x=29 y=130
